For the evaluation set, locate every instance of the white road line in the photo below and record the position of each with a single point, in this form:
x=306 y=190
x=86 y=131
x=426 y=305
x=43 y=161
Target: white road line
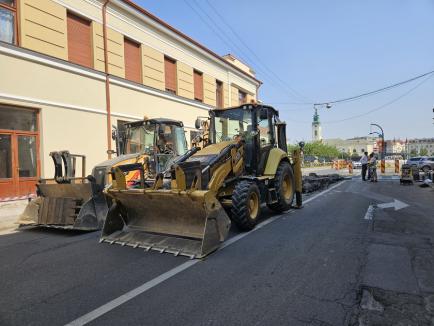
x=369 y=213
x=98 y=312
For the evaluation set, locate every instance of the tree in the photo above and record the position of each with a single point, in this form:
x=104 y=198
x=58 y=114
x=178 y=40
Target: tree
x=317 y=149
x=413 y=152
x=423 y=152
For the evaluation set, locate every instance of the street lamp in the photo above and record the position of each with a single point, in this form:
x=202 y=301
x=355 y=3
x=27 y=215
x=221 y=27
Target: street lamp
x=323 y=105
x=383 y=152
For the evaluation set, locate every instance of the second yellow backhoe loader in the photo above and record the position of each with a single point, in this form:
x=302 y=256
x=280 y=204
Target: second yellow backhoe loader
x=243 y=164
x=78 y=203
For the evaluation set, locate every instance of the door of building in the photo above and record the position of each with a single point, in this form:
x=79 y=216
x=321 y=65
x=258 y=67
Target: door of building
x=19 y=151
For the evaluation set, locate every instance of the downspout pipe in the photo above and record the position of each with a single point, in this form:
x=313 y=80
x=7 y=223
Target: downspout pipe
x=107 y=79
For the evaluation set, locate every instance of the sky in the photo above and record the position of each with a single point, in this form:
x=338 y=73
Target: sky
x=314 y=51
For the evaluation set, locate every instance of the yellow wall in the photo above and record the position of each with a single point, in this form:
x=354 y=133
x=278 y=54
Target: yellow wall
x=51 y=38
x=132 y=102
x=209 y=90
x=43 y=27
x=226 y=95
x=115 y=48
x=234 y=96
x=153 y=67
x=184 y=74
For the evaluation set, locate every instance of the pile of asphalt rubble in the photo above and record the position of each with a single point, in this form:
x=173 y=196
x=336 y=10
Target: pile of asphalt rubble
x=314 y=182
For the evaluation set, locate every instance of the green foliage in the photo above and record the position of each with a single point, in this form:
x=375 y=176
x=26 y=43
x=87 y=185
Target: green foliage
x=413 y=152
x=318 y=149
x=423 y=152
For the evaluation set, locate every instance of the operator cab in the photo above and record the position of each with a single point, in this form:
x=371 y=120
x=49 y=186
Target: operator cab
x=258 y=126
x=161 y=139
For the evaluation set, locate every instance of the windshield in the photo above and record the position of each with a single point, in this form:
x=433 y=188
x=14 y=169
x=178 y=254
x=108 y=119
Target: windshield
x=150 y=138
x=140 y=139
x=229 y=124
x=171 y=139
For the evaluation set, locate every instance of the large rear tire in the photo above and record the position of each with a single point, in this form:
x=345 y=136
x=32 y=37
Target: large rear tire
x=246 y=205
x=285 y=188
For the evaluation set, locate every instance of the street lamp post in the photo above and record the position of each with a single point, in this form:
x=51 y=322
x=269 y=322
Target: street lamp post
x=383 y=152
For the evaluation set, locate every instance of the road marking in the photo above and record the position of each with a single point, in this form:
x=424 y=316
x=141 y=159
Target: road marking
x=87 y=318
x=395 y=204
x=369 y=213
x=102 y=310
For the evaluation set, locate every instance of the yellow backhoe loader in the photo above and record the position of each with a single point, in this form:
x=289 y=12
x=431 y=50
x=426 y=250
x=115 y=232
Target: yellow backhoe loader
x=78 y=203
x=243 y=164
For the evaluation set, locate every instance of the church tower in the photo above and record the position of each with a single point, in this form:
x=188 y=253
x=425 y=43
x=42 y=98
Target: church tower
x=316 y=127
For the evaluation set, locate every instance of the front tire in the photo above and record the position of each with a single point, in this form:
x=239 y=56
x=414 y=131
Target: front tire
x=285 y=188
x=426 y=169
x=246 y=205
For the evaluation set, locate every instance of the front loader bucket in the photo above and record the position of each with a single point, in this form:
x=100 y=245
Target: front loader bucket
x=188 y=223
x=67 y=206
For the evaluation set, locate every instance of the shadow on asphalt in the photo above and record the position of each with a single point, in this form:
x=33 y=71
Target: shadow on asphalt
x=53 y=231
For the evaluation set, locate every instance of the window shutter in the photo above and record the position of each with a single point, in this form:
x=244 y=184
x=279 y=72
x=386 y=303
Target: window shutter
x=219 y=94
x=133 y=69
x=198 y=86
x=170 y=74
x=242 y=97
x=79 y=40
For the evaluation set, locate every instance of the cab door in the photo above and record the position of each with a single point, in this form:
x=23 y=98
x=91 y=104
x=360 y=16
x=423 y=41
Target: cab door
x=266 y=137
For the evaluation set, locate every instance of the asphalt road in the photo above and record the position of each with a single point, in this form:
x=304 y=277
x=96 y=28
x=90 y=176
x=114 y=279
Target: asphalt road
x=301 y=268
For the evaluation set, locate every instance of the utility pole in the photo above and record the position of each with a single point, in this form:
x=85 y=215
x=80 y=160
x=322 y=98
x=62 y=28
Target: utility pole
x=383 y=152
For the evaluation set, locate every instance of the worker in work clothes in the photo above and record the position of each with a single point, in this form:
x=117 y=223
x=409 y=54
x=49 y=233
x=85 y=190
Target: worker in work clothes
x=373 y=167
x=364 y=162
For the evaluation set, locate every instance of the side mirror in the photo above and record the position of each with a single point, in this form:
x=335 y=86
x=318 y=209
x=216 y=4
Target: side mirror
x=197 y=123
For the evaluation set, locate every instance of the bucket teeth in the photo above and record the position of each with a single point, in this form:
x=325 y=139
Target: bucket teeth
x=147 y=248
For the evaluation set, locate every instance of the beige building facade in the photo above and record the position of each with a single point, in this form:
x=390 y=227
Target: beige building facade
x=71 y=69
x=354 y=146
x=420 y=147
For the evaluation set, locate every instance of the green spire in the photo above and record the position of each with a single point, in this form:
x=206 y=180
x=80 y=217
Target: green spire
x=316 y=117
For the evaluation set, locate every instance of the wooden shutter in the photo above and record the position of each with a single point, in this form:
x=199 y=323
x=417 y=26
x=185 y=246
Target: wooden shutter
x=170 y=74
x=219 y=94
x=133 y=65
x=198 y=86
x=79 y=40
x=242 y=97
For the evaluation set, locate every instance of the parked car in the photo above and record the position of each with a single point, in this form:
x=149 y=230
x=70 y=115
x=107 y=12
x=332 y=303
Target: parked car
x=426 y=164
x=414 y=161
x=357 y=165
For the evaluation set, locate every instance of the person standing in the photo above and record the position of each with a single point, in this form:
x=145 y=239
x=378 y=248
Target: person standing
x=364 y=161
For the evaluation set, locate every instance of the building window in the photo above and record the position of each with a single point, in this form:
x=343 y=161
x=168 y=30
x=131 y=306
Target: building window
x=219 y=94
x=242 y=97
x=79 y=40
x=8 y=21
x=170 y=74
x=133 y=64
x=198 y=85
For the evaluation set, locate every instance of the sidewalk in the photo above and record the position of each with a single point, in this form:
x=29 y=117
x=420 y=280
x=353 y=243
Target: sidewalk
x=9 y=212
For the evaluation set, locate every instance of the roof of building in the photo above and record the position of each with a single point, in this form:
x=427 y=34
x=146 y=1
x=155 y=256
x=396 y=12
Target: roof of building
x=186 y=37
